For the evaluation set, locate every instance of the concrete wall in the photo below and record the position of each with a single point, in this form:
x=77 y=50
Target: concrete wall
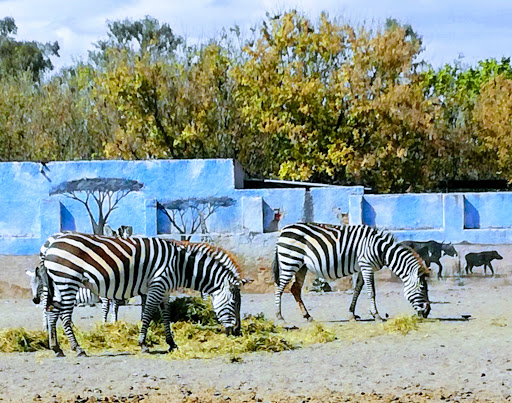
x=247 y=224
x=33 y=209
x=475 y=218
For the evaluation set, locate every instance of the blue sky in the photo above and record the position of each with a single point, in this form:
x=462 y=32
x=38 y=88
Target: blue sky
x=475 y=29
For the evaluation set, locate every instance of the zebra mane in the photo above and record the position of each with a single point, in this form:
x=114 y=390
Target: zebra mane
x=203 y=246
x=424 y=270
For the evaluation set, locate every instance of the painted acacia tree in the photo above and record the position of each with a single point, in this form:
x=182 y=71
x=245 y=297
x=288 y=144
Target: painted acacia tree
x=100 y=196
x=189 y=216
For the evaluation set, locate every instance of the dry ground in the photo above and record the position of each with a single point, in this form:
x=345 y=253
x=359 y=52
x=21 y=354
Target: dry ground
x=447 y=360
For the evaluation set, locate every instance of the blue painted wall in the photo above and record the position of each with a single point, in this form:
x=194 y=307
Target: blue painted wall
x=30 y=214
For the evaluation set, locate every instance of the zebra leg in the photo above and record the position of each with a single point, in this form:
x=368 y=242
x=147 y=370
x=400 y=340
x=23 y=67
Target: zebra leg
x=357 y=290
x=105 y=307
x=167 y=326
x=52 y=318
x=296 y=291
x=67 y=323
x=115 y=310
x=284 y=279
x=153 y=299
x=143 y=304
x=369 y=280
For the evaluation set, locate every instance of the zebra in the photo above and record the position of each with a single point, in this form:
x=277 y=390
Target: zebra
x=85 y=296
x=332 y=252
x=118 y=268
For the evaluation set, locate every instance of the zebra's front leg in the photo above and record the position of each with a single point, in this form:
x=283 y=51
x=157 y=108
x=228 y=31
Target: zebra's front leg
x=105 y=307
x=53 y=343
x=369 y=280
x=153 y=299
x=67 y=324
x=296 y=291
x=167 y=326
x=357 y=290
x=115 y=309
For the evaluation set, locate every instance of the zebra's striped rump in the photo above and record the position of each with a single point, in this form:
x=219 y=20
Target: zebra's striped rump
x=332 y=252
x=119 y=269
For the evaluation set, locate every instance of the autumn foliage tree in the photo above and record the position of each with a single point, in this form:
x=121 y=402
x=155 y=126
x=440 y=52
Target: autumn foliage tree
x=313 y=100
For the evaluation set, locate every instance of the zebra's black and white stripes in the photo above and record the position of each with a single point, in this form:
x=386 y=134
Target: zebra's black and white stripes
x=118 y=268
x=332 y=252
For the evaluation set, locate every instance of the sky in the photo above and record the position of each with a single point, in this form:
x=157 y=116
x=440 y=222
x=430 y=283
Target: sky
x=466 y=30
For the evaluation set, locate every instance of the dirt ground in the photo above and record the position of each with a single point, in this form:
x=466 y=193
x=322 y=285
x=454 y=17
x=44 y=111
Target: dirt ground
x=446 y=360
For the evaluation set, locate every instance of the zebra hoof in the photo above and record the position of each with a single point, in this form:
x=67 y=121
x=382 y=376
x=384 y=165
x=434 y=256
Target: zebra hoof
x=81 y=353
x=354 y=318
x=172 y=348
x=59 y=353
x=145 y=349
x=309 y=319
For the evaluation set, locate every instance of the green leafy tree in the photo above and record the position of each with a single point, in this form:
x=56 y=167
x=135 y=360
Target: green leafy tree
x=23 y=56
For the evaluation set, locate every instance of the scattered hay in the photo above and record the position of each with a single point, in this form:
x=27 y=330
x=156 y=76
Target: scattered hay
x=22 y=340
x=200 y=336
x=401 y=324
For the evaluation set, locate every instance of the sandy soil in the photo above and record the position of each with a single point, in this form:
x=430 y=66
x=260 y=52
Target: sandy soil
x=447 y=360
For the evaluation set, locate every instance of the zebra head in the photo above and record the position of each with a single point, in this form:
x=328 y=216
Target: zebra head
x=415 y=284
x=36 y=286
x=226 y=304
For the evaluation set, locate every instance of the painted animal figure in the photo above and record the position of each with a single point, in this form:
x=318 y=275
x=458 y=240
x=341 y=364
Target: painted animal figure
x=118 y=268
x=481 y=259
x=332 y=252
x=432 y=251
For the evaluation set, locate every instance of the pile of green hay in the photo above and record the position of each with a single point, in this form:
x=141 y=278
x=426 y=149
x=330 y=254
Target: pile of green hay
x=401 y=324
x=196 y=332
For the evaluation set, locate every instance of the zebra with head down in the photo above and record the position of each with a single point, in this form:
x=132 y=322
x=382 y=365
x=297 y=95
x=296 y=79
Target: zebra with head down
x=123 y=268
x=332 y=252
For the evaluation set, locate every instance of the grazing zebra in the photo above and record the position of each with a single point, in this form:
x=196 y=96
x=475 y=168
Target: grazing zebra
x=118 y=268
x=332 y=252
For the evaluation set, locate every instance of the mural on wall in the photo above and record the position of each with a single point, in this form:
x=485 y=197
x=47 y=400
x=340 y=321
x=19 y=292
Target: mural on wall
x=100 y=194
x=189 y=216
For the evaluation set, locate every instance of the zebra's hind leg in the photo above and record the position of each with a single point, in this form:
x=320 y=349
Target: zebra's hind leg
x=167 y=326
x=283 y=281
x=296 y=291
x=357 y=290
x=52 y=317
x=67 y=324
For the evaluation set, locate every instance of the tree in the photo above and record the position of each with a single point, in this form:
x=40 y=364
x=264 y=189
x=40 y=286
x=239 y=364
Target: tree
x=330 y=103
x=188 y=216
x=140 y=37
x=106 y=193
x=23 y=56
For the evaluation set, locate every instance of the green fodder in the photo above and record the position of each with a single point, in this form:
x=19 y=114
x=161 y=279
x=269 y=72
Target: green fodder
x=401 y=324
x=192 y=309
x=196 y=331
x=22 y=340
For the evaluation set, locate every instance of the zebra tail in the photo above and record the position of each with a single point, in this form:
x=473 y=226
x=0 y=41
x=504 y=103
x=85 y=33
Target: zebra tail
x=48 y=284
x=275 y=268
